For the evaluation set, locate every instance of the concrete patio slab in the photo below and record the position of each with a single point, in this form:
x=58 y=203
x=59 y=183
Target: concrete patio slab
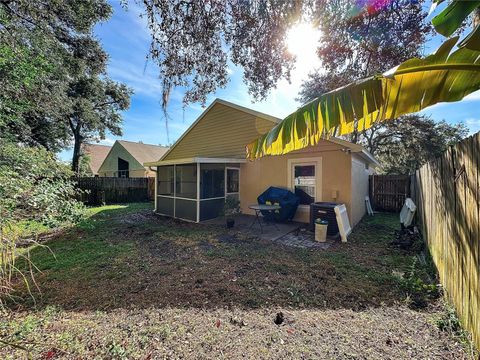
x=288 y=234
x=270 y=231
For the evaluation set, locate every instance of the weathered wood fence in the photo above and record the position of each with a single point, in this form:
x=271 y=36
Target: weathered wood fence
x=109 y=190
x=446 y=192
x=388 y=192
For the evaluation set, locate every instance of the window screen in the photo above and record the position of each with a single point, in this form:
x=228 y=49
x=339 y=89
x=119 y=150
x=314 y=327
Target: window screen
x=232 y=181
x=304 y=183
x=165 y=180
x=186 y=181
x=212 y=181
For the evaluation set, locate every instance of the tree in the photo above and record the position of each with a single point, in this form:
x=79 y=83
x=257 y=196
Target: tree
x=403 y=145
x=192 y=41
x=361 y=41
x=96 y=106
x=56 y=87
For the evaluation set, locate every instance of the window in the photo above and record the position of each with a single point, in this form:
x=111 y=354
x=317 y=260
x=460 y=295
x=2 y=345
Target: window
x=165 y=180
x=304 y=183
x=212 y=181
x=123 y=167
x=233 y=180
x=186 y=181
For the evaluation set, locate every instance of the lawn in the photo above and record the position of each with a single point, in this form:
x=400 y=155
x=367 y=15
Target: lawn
x=128 y=284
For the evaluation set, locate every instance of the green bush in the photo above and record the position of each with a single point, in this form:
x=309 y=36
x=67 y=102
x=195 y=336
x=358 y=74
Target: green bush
x=34 y=185
x=35 y=189
x=418 y=286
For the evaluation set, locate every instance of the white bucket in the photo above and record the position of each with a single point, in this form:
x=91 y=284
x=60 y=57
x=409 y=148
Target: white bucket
x=321 y=232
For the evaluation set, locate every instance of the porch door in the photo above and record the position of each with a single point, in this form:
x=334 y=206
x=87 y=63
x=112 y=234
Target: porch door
x=232 y=182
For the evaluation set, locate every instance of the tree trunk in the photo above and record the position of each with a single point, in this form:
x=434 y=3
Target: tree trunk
x=78 y=140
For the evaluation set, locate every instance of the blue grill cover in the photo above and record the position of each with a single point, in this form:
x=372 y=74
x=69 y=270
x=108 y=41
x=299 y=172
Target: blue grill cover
x=285 y=198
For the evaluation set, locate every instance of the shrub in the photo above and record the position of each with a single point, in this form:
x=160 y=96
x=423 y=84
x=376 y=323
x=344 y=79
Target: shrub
x=418 y=286
x=34 y=186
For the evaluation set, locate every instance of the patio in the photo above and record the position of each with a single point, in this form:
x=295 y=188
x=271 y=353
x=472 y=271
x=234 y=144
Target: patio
x=292 y=233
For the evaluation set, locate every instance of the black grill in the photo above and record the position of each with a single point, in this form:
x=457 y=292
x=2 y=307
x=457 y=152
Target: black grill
x=324 y=211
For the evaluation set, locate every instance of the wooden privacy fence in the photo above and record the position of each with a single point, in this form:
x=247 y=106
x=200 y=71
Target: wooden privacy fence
x=388 y=192
x=446 y=192
x=109 y=190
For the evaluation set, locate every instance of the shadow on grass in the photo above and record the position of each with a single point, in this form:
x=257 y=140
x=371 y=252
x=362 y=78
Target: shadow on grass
x=127 y=257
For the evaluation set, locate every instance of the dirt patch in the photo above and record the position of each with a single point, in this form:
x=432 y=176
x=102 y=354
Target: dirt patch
x=145 y=286
x=172 y=333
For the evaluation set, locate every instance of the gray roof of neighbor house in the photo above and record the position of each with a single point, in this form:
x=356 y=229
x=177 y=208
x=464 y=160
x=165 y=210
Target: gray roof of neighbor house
x=144 y=152
x=97 y=154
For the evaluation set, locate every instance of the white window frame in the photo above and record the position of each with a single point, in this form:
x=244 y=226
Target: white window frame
x=226 y=174
x=317 y=163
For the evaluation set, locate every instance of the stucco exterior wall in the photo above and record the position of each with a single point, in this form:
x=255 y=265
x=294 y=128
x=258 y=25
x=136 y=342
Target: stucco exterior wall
x=359 y=189
x=110 y=164
x=334 y=177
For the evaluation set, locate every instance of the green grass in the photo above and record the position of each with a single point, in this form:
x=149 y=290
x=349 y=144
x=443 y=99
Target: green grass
x=146 y=260
x=125 y=279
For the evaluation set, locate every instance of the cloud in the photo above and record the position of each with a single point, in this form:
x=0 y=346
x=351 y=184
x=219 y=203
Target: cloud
x=473 y=96
x=107 y=141
x=473 y=125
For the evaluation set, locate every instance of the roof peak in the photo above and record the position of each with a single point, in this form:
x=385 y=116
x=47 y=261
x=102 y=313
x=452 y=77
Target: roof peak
x=140 y=143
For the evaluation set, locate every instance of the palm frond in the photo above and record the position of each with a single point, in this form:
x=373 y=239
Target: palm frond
x=445 y=76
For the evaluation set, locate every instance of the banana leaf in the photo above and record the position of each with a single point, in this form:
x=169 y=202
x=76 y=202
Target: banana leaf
x=452 y=17
x=445 y=76
x=472 y=40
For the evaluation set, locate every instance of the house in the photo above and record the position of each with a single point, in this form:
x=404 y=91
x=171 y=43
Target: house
x=96 y=154
x=126 y=158
x=208 y=163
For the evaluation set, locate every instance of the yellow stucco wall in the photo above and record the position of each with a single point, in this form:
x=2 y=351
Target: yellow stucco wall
x=222 y=132
x=110 y=165
x=334 y=178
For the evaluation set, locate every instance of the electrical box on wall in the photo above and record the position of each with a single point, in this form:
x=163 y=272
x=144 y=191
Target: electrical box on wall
x=334 y=194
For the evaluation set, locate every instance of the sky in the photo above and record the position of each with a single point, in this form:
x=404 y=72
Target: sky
x=125 y=37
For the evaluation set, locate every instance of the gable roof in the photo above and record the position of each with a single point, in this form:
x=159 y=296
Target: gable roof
x=97 y=154
x=255 y=113
x=143 y=152
x=354 y=148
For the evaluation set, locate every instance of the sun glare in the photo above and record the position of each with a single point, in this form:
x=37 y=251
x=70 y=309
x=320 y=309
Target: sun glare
x=302 y=41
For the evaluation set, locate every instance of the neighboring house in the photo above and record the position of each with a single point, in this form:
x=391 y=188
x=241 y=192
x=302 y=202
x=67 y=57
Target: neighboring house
x=126 y=159
x=208 y=163
x=95 y=154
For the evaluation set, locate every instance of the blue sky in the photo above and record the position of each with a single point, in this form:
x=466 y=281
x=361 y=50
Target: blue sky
x=126 y=39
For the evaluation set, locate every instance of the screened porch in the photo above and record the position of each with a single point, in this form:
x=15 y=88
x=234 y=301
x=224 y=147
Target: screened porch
x=195 y=189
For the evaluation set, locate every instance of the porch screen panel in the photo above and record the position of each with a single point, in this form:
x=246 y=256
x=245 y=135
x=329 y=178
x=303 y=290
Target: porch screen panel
x=165 y=205
x=186 y=181
x=165 y=180
x=186 y=209
x=210 y=209
x=212 y=181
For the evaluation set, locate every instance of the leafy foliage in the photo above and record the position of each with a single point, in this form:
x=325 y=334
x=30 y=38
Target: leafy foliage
x=35 y=186
x=56 y=87
x=444 y=76
x=404 y=145
x=193 y=42
x=36 y=192
x=363 y=39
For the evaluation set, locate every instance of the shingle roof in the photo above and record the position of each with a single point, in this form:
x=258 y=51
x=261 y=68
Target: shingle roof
x=97 y=153
x=144 y=152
